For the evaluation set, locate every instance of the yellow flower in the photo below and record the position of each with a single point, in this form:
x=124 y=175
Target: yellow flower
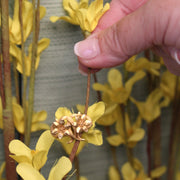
x=36 y=158
x=18 y=118
x=110 y=116
x=92 y=136
x=113 y=173
x=1 y=170
x=16 y=53
x=151 y=108
x=134 y=132
x=81 y=14
x=168 y=84
x=129 y=173
x=37 y=118
x=115 y=90
x=142 y=63
x=28 y=172
x=14 y=24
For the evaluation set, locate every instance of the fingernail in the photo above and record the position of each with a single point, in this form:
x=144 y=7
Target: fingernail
x=176 y=55
x=87 y=49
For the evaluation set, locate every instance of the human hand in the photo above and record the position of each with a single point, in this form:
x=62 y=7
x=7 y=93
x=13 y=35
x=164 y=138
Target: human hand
x=129 y=27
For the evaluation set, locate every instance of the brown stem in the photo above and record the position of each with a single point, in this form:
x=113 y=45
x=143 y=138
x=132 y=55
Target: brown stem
x=8 y=125
x=148 y=148
x=87 y=91
x=16 y=79
x=173 y=143
x=129 y=151
x=76 y=144
x=74 y=150
x=156 y=139
x=76 y=164
x=1 y=83
x=108 y=130
x=98 y=92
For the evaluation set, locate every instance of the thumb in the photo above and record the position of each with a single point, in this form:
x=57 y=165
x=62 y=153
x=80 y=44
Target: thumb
x=144 y=28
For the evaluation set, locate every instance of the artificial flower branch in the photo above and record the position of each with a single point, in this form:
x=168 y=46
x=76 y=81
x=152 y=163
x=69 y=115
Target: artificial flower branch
x=148 y=147
x=36 y=21
x=76 y=144
x=1 y=82
x=129 y=151
x=174 y=132
x=8 y=130
x=108 y=130
x=16 y=80
x=156 y=125
x=23 y=62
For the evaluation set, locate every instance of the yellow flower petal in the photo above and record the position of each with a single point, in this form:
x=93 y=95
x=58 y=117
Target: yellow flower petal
x=137 y=123
x=18 y=117
x=141 y=63
x=96 y=111
x=115 y=140
x=15 y=52
x=54 y=18
x=110 y=116
x=113 y=173
x=158 y=172
x=39 y=116
x=62 y=111
x=18 y=148
x=62 y=167
x=39 y=126
x=168 y=83
x=68 y=146
x=127 y=122
x=119 y=124
x=21 y=158
x=137 y=164
x=94 y=137
x=27 y=172
x=15 y=34
x=100 y=87
x=42 y=11
x=45 y=141
x=39 y=159
x=80 y=14
x=137 y=135
x=136 y=77
x=42 y=45
x=128 y=172
x=80 y=108
x=150 y=109
x=115 y=79
x=2 y=170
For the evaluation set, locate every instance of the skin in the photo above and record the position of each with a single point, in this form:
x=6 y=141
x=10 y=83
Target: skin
x=129 y=27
